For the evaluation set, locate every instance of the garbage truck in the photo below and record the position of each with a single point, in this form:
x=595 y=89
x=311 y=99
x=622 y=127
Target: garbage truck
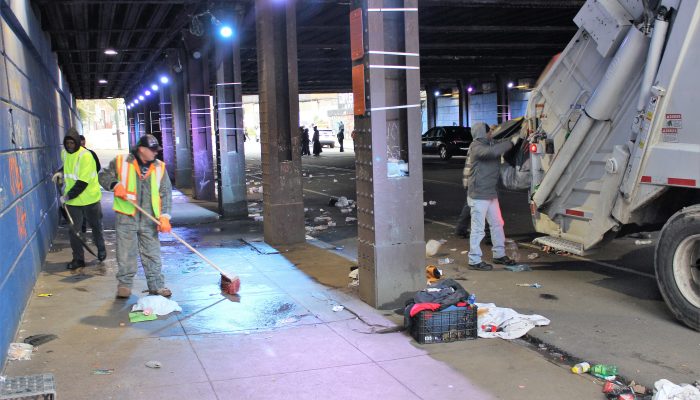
x=614 y=138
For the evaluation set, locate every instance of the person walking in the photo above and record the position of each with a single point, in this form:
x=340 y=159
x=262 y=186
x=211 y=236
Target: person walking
x=305 y=141
x=81 y=196
x=341 y=135
x=138 y=177
x=483 y=166
x=317 y=142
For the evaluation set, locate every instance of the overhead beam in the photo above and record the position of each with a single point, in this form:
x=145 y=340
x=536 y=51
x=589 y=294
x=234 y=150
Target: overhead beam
x=572 y=4
x=497 y=28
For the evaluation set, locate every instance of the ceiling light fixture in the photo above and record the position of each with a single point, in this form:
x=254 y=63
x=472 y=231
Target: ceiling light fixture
x=102 y=81
x=164 y=79
x=111 y=52
x=141 y=97
x=154 y=87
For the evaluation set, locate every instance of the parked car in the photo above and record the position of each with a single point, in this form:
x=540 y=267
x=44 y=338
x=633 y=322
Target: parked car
x=327 y=137
x=446 y=141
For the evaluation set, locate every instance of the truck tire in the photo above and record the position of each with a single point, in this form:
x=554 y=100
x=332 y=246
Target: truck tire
x=444 y=153
x=677 y=264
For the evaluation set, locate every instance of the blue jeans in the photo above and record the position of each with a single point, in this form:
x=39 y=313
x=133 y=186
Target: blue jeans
x=482 y=211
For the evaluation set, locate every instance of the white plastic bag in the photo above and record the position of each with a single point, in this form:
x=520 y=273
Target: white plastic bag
x=432 y=247
x=667 y=390
x=158 y=305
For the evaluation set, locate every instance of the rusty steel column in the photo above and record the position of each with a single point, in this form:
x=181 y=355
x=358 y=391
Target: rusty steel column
x=502 y=106
x=166 y=130
x=431 y=105
x=463 y=104
x=386 y=91
x=279 y=121
x=199 y=100
x=183 y=154
x=229 y=129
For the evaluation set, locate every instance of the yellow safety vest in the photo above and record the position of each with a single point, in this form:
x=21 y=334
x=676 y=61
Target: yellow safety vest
x=80 y=166
x=127 y=175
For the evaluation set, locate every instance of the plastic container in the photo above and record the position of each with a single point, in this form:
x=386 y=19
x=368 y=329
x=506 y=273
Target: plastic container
x=456 y=324
x=581 y=368
x=472 y=299
x=603 y=370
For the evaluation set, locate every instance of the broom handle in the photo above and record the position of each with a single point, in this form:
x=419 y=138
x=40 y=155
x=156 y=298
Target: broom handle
x=176 y=236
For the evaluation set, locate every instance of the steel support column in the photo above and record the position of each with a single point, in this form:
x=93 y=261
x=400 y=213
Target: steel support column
x=386 y=89
x=279 y=121
x=431 y=105
x=183 y=154
x=166 y=130
x=503 y=108
x=463 y=104
x=201 y=125
x=229 y=130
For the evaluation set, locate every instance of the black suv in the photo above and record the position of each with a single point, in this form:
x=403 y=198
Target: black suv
x=446 y=141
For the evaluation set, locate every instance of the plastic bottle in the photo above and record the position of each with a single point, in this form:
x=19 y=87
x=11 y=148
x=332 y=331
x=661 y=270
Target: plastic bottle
x=472 y=299
x=603 y=370
x=512 y=250
x=581 y=368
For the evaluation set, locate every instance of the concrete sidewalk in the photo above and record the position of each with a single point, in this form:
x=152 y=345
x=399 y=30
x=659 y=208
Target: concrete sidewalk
x=280 y=339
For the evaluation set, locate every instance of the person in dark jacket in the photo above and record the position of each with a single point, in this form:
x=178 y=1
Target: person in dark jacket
x=317 y=142
x=341 y=135
x=305 y=141
x=482 y=172
x=98 y=166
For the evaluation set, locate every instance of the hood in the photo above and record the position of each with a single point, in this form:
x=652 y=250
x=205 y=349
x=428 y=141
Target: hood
x=73 y=134
x=479 y=130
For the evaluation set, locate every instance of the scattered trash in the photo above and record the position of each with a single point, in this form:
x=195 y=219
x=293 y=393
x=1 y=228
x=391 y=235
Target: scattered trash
x=355 y=276
x=101 y=371
x=346 y=210
x=453 y=249
x=637 y=388
x=339 y=247
x=140 y=316
x=338 y=308
x=667 y=390
x=322 y=220
x=39 y=339
x=533 y=285
x=159 y=304
x=432 y=202
x=425 y=203
x=548 y=296
x=604 y=371
x=532 y=256
x=258 y=218
x=512 y=250
x=643 y=242
x=432 y=247
x=464 y=252
x=20 y=351
x=288 y=320
x=320 y=227
x=331 y=223
x=581 y=368
x=518 y=268
x=510 y=323
x=445 y=261
x=335 y=181
x=154 y=364
x=350 y=219
x=640 y=235
x=432 y=274
x=342 y=202
x=44 y=295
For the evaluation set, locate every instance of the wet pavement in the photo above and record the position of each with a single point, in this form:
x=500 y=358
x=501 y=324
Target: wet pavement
x=279 y=338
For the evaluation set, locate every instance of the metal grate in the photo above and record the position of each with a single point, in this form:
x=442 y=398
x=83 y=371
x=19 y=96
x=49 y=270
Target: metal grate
x=31 y=387
x=561 y=244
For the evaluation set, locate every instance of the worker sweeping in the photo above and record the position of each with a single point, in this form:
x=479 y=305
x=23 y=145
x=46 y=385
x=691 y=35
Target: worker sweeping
x=139 y=178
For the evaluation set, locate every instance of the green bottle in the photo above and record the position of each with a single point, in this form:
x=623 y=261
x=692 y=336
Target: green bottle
x=603 y=370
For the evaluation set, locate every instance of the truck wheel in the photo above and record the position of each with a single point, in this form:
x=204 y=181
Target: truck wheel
x=677 y=263
x=444 y=154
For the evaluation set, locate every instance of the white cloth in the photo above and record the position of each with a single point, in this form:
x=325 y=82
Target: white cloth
x=667 y=390
x=511 y=324
x=159 y=305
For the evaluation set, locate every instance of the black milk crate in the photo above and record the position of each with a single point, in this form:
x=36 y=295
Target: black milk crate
x=31 y=387
x=444 y=326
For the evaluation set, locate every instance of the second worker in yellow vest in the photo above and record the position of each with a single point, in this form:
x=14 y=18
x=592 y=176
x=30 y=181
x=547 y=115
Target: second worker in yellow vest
x=138 y=177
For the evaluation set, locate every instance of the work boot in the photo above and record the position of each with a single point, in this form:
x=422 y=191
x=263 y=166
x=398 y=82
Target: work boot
x=482 y=266
x=75 y=264
x=123 y=292
x=505 y=260
x=165 y=292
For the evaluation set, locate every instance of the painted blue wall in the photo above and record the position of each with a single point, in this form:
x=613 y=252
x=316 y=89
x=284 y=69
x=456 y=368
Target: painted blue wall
x=36 y=108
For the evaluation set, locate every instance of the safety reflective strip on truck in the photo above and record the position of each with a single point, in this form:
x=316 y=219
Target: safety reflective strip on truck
x=669 y=181
x=579 y=213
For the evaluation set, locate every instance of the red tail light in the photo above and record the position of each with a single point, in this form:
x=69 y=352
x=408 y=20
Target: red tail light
x=533 y=148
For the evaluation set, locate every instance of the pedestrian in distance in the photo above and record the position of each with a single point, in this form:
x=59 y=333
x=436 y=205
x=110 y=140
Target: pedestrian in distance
x=341 y=135
x=483 y=166
x=138 y=177
x=317 y=142
x=81 y=196
x=305 y=141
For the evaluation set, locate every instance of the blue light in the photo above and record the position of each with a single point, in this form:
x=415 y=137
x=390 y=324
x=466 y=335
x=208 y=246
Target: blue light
x=164 y=79
x=137 y=101
x=154 y=87
x=141 y=97
x=147 y=92
x=226 y=31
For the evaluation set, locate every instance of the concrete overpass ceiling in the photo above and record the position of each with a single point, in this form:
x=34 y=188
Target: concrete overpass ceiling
x=471 y=40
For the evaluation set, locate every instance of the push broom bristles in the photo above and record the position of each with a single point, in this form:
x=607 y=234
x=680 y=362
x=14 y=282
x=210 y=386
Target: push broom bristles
x=230 y=286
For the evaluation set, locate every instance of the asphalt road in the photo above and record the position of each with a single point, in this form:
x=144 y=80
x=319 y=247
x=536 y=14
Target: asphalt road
x=604 y=308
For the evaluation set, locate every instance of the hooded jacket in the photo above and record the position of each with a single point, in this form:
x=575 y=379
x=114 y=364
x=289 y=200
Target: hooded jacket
x=481 y=170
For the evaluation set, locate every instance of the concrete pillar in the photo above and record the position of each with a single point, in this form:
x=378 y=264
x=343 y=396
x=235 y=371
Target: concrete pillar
x=201 y=125
x=391 y=248
x=502 y=99
x=463 y=104
x=183 y=152
x=166 y=130
x=229 y=129
x=431 y=105
x=279 y=121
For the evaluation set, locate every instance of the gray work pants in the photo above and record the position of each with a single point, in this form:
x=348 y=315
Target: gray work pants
x=138 y=235
x=92 y=213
